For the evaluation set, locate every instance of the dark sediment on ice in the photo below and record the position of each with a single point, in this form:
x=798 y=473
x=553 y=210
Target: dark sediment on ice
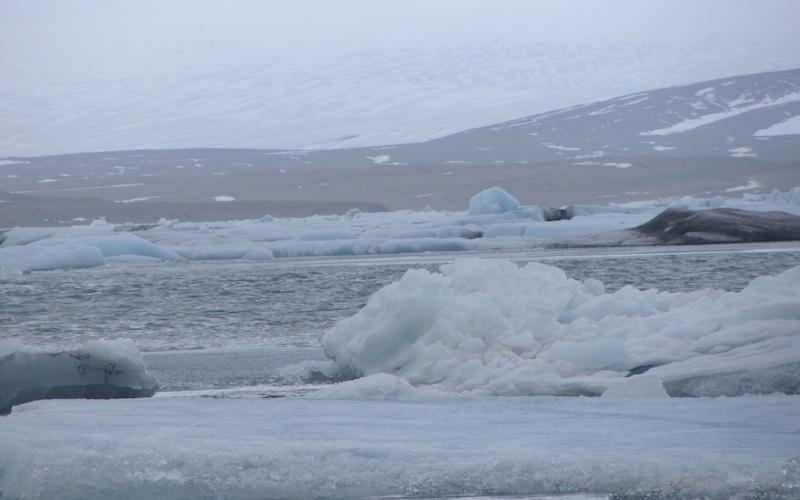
x=677 y=226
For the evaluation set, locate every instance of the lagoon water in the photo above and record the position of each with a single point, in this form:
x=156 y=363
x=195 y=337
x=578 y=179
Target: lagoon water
x=232 y=324
x=235 y=346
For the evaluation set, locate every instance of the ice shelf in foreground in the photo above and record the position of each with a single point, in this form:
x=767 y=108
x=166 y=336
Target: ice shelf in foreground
x=410 y=447
x=99 y=370
x=491 y=327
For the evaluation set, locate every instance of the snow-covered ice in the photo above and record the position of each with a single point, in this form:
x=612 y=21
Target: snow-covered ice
x=417 y=447
x=490 y=327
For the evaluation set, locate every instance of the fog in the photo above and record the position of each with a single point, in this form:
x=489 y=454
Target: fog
x=87 y=38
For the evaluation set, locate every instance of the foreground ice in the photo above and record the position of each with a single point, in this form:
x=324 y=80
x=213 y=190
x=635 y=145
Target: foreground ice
x=98 y=370
x=491 y=327
x=300 y=448
x=494 y=221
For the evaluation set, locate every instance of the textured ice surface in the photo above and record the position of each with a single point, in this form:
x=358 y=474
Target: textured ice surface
x=299 y=448
x=491 y=327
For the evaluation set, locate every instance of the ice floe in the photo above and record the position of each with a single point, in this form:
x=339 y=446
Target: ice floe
x=494 y=220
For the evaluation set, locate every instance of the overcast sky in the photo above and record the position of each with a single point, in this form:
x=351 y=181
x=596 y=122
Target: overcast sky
x=91 y=37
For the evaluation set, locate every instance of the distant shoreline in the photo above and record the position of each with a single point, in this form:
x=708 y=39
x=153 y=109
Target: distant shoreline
x=144 y=186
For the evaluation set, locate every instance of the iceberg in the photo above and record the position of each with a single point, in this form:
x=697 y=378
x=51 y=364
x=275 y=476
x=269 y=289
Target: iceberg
x=98 y=370
x=494 y=200
x=491 y=327
x=31 y=249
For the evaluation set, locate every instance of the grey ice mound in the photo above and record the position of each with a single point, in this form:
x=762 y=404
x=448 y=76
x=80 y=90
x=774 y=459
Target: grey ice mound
x=97 y=370
x=680 y=226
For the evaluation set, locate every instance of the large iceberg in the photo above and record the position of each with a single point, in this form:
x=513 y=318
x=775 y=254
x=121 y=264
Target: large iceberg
x=491 y=327
x=99 y=370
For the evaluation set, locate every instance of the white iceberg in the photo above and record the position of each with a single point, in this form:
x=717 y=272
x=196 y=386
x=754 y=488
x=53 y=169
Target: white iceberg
x=491 y=327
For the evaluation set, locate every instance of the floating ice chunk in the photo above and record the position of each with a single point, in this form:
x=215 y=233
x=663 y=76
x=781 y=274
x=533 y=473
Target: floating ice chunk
x=98 y=370
x=23 y=259
x=490 y=327
x=353 y=213
x=776 y=197
x=25 y=235
x=46 y=253
x=494 y=200
x=117 y=244
x=101 y=224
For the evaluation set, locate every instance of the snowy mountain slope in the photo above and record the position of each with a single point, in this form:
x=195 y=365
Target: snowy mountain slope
x=710 y=137
x=729 y=117
x=367 y=97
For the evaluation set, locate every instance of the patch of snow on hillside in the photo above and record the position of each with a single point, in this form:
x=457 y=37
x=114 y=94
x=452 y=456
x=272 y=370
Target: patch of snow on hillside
x=701 y=121
x=790 y=126
x=742 y=152
x=559 y=148
x=751 y=184
x=380 y=159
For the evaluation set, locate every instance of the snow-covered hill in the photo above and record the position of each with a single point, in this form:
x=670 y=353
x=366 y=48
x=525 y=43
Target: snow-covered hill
x=753 y=116
x=99 y=76
x=711 y=137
